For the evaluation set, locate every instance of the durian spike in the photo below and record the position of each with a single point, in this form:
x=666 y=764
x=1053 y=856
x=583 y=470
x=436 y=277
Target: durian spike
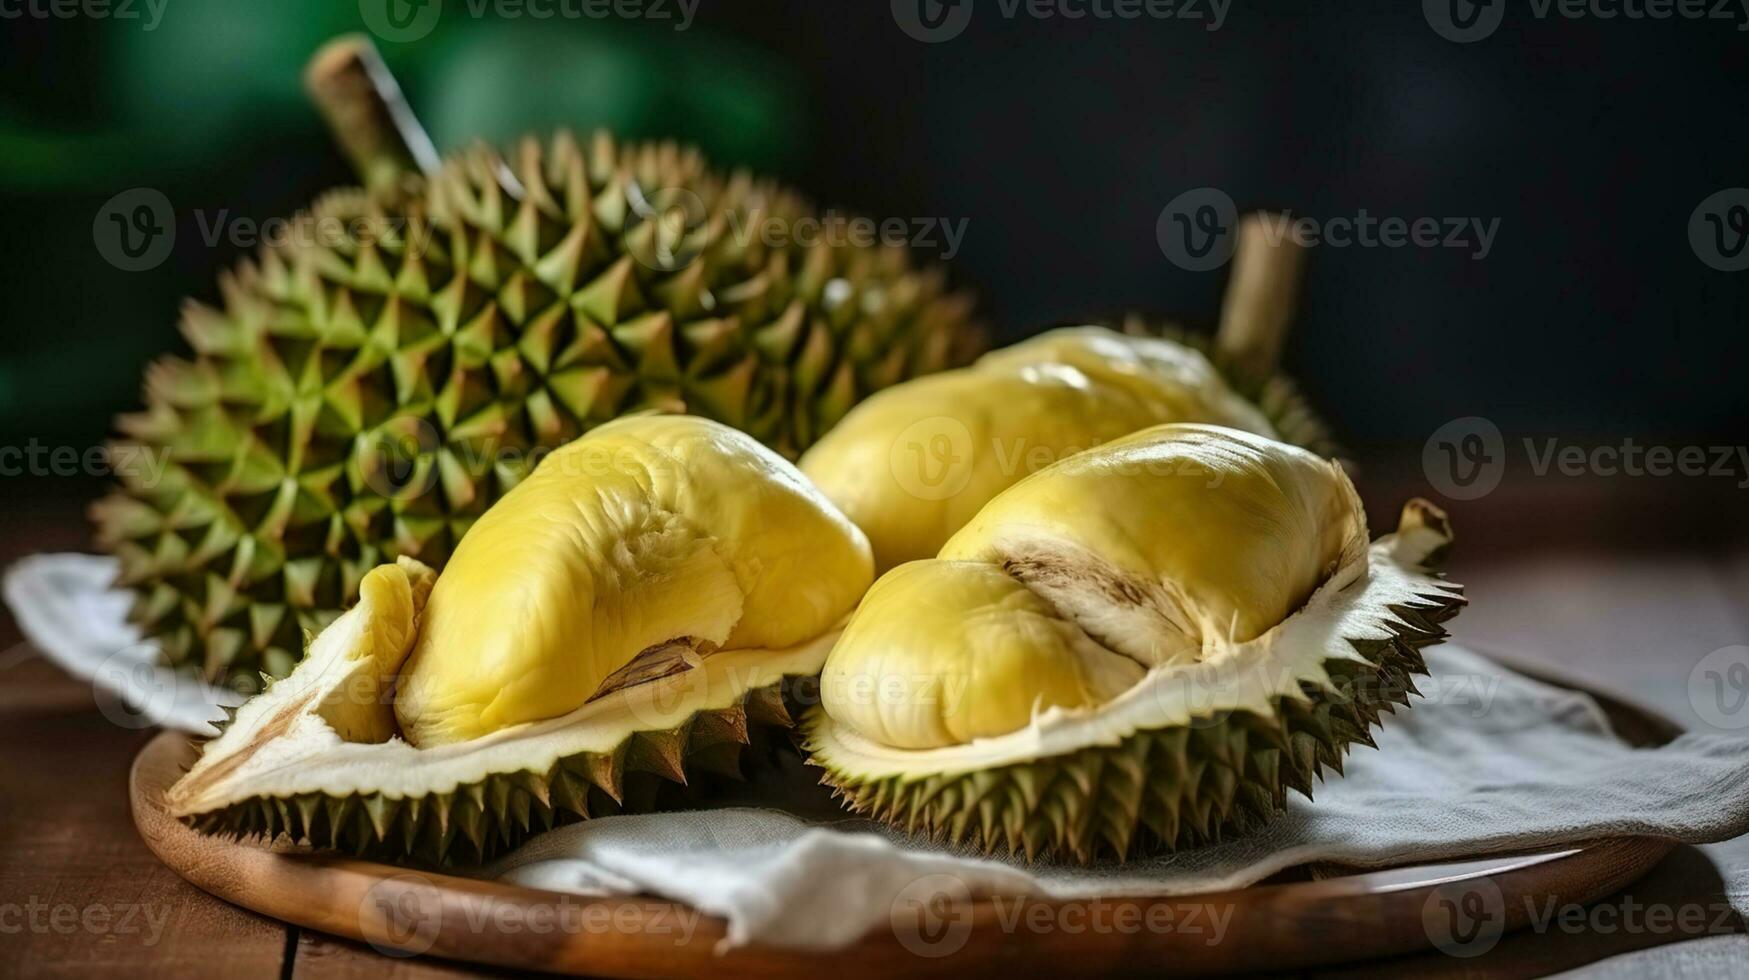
x=363 y=105
x=1258 y=308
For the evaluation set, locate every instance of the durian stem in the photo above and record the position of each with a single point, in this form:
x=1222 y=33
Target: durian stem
x=1265 y=283
x=371 y=121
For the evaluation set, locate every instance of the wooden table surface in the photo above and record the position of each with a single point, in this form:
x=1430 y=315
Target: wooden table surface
x=1625 y=584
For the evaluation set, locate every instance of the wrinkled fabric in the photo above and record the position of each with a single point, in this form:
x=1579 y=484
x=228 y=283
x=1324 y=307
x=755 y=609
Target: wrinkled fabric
x=67 y=606
x=1486 y=761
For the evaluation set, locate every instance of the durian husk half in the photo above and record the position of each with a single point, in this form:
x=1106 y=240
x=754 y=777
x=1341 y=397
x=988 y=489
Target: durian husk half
x=1189 y=756
x=283 y=766
x=621 y=621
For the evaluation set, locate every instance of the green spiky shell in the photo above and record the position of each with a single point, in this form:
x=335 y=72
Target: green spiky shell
x=317 y=756
x=456 y=329
x=1173 y=787
x=480 y=820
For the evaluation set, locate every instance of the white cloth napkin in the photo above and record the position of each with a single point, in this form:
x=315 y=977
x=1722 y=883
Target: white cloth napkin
x=1486 y=761
x=68 y=607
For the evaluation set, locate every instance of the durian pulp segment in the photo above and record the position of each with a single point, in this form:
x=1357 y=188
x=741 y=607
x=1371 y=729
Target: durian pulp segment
x=1177 y=382
x=649 y=532
x=1355 y=605
x=1144 y=645
x=913 y=464
x=1169 y=543
x=1155 y=550
x=520 y=687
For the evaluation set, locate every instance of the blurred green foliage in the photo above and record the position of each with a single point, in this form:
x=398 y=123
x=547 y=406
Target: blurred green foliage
x=208 y=107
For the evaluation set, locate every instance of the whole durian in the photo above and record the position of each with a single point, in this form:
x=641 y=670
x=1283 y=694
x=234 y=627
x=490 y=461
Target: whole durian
x=1140 y=647
x=914 y=463
x=372 y=384
x=622 y=614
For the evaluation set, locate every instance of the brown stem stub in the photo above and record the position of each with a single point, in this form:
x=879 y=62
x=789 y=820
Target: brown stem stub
x=371 y=121
x=1268 y=262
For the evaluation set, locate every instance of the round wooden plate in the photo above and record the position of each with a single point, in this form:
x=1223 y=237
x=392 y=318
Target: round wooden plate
x=1320 y=916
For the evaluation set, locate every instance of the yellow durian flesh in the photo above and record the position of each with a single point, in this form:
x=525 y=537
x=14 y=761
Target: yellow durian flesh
x=345 y=684
x=376 y=636
x=647 y=533
x=914 y=463
x=912 y=468
x=953 y=651
x=1161 y=548
x=1177 y=383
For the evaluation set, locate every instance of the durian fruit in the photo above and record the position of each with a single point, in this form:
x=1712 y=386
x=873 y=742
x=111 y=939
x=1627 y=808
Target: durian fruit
x=912 y=464
x=1141 y=647
x=378 y=376
x=615 y=622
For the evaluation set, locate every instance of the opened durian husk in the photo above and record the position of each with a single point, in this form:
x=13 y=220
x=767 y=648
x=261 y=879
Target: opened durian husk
x=1065 y=684
x=633 y=607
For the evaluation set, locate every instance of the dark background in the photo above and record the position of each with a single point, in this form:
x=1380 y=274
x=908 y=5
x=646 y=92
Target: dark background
x=1060 y=141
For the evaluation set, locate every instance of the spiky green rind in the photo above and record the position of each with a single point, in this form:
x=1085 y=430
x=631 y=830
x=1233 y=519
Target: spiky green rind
x=374 y=380
x=1166 y=789
x=478 y=821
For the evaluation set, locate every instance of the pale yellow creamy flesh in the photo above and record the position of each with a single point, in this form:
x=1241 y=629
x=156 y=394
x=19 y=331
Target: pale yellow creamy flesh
x=1154 y=550
x=630 y=553
x=912 y=464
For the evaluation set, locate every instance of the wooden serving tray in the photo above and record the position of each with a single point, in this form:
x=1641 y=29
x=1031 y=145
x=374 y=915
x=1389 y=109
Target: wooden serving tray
x=1302 y=918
